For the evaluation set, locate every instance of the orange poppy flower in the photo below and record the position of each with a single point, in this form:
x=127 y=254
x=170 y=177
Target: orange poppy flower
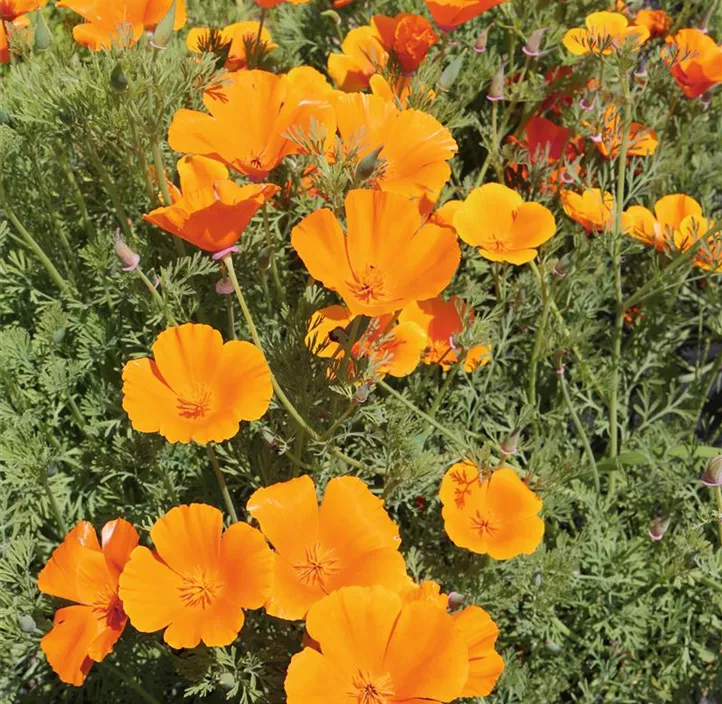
x=83 y=571
x=238 y=35
x=605 y=32
x=709 y=254
x=449 y=14
x=197 y=387
x=514 y=231
x=210 y=211
x=267 y=4
x=390 y=348
x=659 y=229
x=697 y=61
x=441 y=321
x=592 y=209
x=19 y=23
x=362 y=55
x=347 y=540
x=641 y=141
x=199 y=579
x=480 y=633
x=494 y=515
x=374 y=648
x=121 y=22
x=415 y=146
x=10 y=10
x=406 y=36
x=657 y=22
x=388 y=258
x=252 y=114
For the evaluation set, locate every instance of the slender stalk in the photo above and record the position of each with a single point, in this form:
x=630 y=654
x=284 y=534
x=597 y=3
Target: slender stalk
x=142 y=161
x=538 y=338
x=231 y=319
x=349 y=410
x=160 y=170
x=495 y=141
x=135 y=686
x=257 y=45
x=158 y=298
x=450 y=376
x=718 y=496
x=76 y=412
x=712 y=377
x=77 y=193
x=227 y=500
x=272 y=255
x=54 y=507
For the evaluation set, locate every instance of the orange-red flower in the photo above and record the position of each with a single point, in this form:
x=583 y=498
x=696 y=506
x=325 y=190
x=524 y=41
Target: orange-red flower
x=604 y=33
x=449 y=14
x=480 y=633
x=20 y=23
x=441 y=321
x=660 y=228
x=641 y=141
x=374 y=648
x=120 y=22
x=494 y=514
x=83 y=571
x=389 y=347
x=362 y=55
x=197 y=387
x=210 y=211
x=496 y=219
x=347 y=540
x=252 y=114
x=708 y=255
x=10 y=10
x=272 y=3
x=695 y=63
x=238 y=35
x=388 y=258
x=415 y=146
x=657 y=22
x=199 y=579
x=592 y=209
x=406 y=36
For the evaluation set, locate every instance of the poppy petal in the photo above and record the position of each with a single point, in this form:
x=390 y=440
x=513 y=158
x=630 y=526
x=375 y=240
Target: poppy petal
x=312 y=679
x=247 y=565
x=485 y=664
x=290 y=597
x=119 y=539
x=671 y=210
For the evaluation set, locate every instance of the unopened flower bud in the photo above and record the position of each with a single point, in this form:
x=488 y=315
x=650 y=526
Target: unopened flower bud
x=496 y=89
x=361 y=394
x=118 y=80
x=264 y=259
x=27 y=623
x=562 y=266
x=713 y=472
x=704 y=22
x=450 y=74
x=553 y=647
x=533 y=44
x=41 y=40
x=558 y=359
x=455 y=600
x=164 y=30
x=481 y=40
x=508 y=446
x=658 y=528
x=641 y=70
x=366 y=167
x=224 y=286
x=128 y=258
x=227 y=680
x=585 y=104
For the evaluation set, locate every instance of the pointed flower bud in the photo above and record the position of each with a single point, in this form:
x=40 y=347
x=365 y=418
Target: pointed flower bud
x=118 y=80
x=26 y=623
x=362 y=393
x=713 y=472
x=367 y=165
x=224 y=286
x=496 y=89
x=128 y=258
x=658 y=528
x=533 y=44
x=481 y=40
x=450 y=74
x=164 y=30
x=42 y=34
x=562 y=266
x=455 y=600
x=508 y=447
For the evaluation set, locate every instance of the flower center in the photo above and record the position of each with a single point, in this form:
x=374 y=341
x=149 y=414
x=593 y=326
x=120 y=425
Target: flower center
x=196 y=407
x=320 y=564
x=371 y=690
x=369 y=286
x=199 y=589
x=483 y=525
x=7 y=10
x=109 y=608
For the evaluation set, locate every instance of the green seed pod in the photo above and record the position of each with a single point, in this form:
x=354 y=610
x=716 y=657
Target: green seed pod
x=42 y=34
x=118 y=80
x=164 y=31
x=367 y=165
x=27 y=623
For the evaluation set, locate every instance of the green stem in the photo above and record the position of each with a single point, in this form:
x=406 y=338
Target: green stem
x=495 y=142
x=143 y=162
x=76 y=412
x=272 y=255
x=538 y=338
x=231 y=319
x=77 y=194
x=712 y=377
x=54 y=507
x=160 y=171
x=222 y=484
x=349 y=410
x=158 y=298
x=257 y=45
x=128 y=680
x=450 y=376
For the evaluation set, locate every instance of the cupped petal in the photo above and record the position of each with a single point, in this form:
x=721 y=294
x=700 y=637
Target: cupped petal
x=66 y=644
x=291 y=597
x=509 y=497
x=119 y=540
x=519 y=537
x=401 y=353
x=639 y=222
x=487 y=214
x=672 y=209
x=577 y=41
x=199 y=172
x=384 y=567
x=312 y=679
x=533 y=225
x=517 y=257
x=198 y=133
x=485 y=664
x=246 y=565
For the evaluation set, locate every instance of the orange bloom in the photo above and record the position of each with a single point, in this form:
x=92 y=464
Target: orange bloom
x=238 y=35
x=198 y=581
x=347 y=540
x=441 y=321
x=82 y=571
x=210 y=211
x=512 y=233
x=119 y=22
x=604 y=33
x=709 y=254
x=592 y=209
x=251 y=116
x=697 y=62
x=406 y=36
x=659 y=229
x=449 y=14
x=390 y=348
x=197 y=387
x=480 y=633
x=362 y=55
x=10 y=10
x=415 y=147
x=376 y=649
x=272 y=3
x=657 y=22
x=494 y=515
x=641 y=141
x=388 y=258
x=19 y=23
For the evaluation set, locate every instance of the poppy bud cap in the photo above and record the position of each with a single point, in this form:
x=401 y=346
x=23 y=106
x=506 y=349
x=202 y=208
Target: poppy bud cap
x=128 y=258
x=713 y=472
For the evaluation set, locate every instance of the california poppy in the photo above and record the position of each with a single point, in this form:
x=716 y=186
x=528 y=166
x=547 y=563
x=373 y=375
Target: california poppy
x=657 y=22
x=210 y=211
x=592 y=209
x=604 y=33
x=414 y=146
x=267 y=4
x=120 y=22
x=85 y=572
x=199 y=579
x=709 y=254
x=658 y=229
x=480 y=633
x=347 y=540
x=20 y=23
x=641 y=141
x=362 y=55
x=494 y=514
x=449 y=14
x=406 y=36
x=252 y=114
x=237 y=36
x=390 y=347
x=388 y=258
x=197 y=387
x=696 y=63
x=441 y=320
x=10 y=10
x=496 y=219
x=374 y=648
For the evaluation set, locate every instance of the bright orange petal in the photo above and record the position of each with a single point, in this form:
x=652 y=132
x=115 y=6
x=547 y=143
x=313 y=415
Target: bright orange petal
x=290 y=596
x=671 y=210
x=312 y=679
x=485 y=664
x=119 y=540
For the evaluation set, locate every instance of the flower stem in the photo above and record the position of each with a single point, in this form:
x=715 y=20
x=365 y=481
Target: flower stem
x=538 y=337
x=272 y=255
x=222 y=484
x=450 y=376
x=158 y=298
x=135 y=686
x=495 y=142
x=77 y=193
x=54 y=507
x=718 y=496
x=160 y=170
